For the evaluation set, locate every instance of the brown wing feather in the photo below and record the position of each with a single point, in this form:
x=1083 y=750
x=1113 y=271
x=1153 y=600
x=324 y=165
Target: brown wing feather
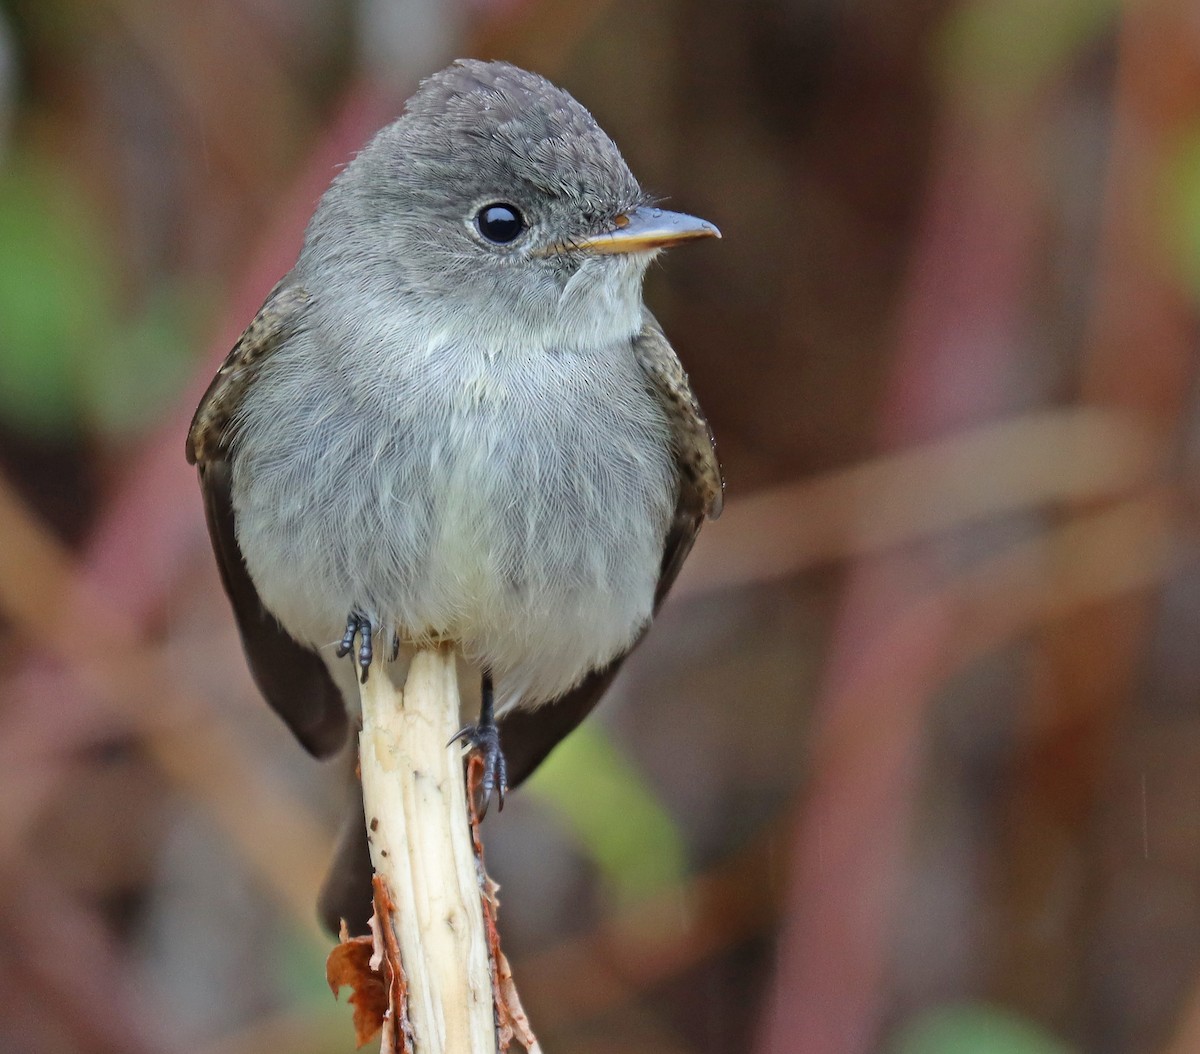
x=292 y=678
x=208 y=436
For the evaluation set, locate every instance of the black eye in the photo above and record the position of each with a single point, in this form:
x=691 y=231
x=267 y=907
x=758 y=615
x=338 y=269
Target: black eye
x=500 y=223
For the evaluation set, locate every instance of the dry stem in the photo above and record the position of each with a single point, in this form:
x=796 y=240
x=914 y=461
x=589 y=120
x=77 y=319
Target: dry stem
x=416 y=807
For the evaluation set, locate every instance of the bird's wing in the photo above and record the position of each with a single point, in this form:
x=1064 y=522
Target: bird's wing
x=293 y=679
x=528 y=736
x=279 y=317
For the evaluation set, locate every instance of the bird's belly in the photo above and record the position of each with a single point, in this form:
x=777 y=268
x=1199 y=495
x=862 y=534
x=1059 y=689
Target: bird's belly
x=526 y=526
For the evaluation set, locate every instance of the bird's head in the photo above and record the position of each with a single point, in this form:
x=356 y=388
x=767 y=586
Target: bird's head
x=498 y=208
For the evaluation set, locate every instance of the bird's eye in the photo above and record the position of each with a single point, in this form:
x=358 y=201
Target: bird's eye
x=500 y=223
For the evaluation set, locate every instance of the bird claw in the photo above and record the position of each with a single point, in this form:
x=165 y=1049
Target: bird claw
x=360 y=626
x=484 y=740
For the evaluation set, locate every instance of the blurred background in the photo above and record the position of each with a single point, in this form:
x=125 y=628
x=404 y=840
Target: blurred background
x=911 y=761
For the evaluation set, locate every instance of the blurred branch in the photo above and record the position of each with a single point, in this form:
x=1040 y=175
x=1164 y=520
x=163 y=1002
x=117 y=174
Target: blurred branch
x=958 y=321
x=39 y=586
x=856 y=825
x=1018 y=465
x=1139 y=360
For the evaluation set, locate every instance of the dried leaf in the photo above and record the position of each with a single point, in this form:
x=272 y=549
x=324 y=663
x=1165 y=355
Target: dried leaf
x=371 y=967
x=349 y=965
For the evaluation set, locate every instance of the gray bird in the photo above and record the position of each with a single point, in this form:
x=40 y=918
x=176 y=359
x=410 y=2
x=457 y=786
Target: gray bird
x=455 y=420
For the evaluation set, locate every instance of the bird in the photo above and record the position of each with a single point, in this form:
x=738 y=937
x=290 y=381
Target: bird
x=455 y=420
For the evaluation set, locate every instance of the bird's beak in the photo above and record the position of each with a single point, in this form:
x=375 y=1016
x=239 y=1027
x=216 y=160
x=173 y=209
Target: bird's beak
x=644 y=229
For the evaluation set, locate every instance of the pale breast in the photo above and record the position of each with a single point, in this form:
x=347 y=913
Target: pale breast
x=517 y=504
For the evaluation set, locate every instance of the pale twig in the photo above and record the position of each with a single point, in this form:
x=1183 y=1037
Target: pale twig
x=415 y=800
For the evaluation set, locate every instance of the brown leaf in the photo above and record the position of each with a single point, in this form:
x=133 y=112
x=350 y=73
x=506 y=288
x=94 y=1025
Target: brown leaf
x=349 y=964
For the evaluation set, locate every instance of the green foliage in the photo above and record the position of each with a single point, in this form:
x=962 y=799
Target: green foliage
x=974 y=1029
x=56 y=297
x=68 y=361
x=615 y=816
x=1180 y=215
x=126 y=381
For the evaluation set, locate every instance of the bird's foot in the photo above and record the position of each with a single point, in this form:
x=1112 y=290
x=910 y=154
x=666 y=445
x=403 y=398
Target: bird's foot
x=484 y=740
x=360 y=626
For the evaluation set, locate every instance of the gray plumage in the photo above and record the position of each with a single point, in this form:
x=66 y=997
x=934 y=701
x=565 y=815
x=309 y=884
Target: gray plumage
x=459 y=439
